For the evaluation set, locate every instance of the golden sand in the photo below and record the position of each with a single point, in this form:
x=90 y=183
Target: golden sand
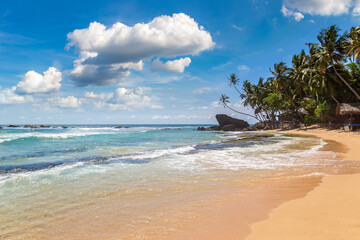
x=331 y=211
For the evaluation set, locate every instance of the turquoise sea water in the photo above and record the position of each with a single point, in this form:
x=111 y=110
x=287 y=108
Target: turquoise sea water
x=46 y=175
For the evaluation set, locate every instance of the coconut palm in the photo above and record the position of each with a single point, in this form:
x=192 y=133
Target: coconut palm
x=224 y=100
x=332 y=52
x=233 y=81
x=354 y=44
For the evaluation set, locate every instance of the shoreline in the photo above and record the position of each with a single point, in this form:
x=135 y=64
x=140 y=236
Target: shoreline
x=330 y=211
x=232 y=211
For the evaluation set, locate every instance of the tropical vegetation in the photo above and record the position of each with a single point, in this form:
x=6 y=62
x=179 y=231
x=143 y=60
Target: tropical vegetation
x=309 y=89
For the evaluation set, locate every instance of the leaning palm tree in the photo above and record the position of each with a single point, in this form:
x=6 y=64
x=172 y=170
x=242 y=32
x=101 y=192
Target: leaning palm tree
x=224 y=100
x=332 y=51
x=233 y=81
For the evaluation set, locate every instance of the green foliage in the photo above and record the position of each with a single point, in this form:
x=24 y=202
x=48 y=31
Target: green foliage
x=275 y=102
x=320 y=78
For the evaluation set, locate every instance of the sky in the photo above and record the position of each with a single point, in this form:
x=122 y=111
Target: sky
x=147 y=62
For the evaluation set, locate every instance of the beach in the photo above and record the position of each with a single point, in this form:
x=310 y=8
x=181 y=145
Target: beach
x=331 y=211
x=153 y=181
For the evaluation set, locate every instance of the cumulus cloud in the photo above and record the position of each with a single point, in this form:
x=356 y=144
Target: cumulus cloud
x=107 y=54
x=177 y=66
x=318 y=7
x=288 y=13
x=34 y=82
x=356 y=9
x=69 y=102
x=122 y=98
x=8 y=96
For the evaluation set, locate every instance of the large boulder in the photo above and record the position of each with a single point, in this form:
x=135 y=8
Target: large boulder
x=234 y=123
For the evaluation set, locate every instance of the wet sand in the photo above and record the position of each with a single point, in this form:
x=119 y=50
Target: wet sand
x=226 y=215
x=331 y=211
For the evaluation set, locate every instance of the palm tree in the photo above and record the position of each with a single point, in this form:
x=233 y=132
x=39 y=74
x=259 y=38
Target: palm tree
x=354 y=44
x=332 y=51
x=233 y=81
x=224 y=100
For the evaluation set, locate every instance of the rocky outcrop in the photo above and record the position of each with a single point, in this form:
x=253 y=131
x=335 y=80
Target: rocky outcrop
x=13 y=126
x=225 y=120
x=1 y=127
x=31 y=126
x=36 y=126
x=227 y=123
x=212 y=128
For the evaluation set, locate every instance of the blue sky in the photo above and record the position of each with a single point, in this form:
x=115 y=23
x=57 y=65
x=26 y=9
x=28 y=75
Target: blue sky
x=146 y=61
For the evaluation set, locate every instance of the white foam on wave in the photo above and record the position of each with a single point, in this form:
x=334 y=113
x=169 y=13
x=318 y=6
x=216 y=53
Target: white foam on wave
x=5 y=140
x=258 y=156
x=54 y=135
x=33 y=175
x=159 y=153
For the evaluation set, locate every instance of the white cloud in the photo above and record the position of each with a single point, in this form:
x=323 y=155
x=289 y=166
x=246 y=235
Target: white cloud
x=201 y=91
x=34 y=82
x=102 y=49
x=177 y=66
x=288 y=13
x=155 y=117
x=221 y=66
x=243 y=68
x=69 y=102
x=319 y=7
x=356 y=9
x=91 y=95
x=238 y=28
x=122 y=98
x=8 y=96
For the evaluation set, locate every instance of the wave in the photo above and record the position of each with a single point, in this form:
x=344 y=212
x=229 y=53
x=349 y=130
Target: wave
x=50 y=135
x=45 y=153
x=266 y=153
x=75 y=132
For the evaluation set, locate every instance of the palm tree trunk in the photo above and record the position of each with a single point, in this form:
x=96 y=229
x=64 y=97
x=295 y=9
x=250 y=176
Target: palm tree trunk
x=342 y=79
x=237 y=89
x=241 y=112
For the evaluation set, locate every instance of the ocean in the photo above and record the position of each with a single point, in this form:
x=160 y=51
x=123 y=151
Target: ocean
x=58 y=180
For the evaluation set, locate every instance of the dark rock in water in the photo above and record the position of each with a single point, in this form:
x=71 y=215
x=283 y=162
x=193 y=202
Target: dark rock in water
x=1 y=127
x=64 y=127
x=211 y=128
x=227 y=124
x=13 y=126
x=215 y=128
x=224 y=120
x=122 y=127
x=31 y=126
x=44 y=126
